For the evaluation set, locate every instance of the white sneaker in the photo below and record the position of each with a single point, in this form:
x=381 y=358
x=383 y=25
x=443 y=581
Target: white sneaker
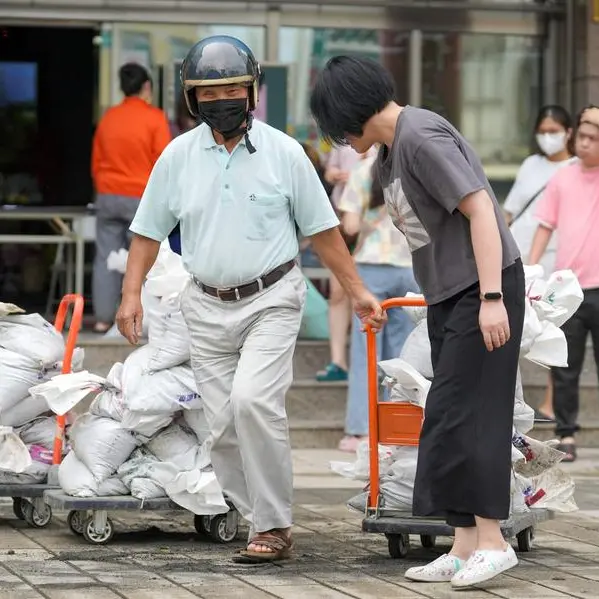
x=443 y=569
x=484 y=565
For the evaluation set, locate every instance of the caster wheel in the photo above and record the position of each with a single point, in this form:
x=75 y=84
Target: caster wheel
x=525 y=539
x=17 y=507
x=399 y=545
x=220 y=532
x=34 y=518
x=97 y=538
x=76 y=521
x=428 y=541
x=202 y=525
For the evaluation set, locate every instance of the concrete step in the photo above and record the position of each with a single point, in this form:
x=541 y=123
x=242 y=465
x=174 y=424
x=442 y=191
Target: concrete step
x=533 y=374
x=588 y=436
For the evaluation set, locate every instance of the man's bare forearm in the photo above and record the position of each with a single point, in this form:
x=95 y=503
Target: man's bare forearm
x=331 y=249
x=486 y=240
x=539 y=244
x=142 y=255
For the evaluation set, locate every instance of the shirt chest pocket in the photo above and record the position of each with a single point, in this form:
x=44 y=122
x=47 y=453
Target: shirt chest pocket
x=265 y=215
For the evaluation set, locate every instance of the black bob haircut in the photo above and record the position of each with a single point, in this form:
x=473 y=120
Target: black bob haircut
x=347 y=93
x=132 y=77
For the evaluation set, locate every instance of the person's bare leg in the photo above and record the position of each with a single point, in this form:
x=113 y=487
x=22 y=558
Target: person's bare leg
x=489 y=535
x=339 y=321
x=464 y=542
x=546 y=407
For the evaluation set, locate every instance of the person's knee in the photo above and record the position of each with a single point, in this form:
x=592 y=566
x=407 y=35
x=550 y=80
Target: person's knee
x=254 y=405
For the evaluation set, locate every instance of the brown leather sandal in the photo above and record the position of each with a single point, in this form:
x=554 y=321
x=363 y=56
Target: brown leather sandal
x=277 y=541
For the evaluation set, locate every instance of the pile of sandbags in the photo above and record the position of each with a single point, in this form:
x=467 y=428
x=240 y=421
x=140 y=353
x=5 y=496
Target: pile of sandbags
x=31 y=352
x=537 y=481
x=145 y=432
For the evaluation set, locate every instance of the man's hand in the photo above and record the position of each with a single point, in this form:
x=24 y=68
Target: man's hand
x=368 y=308
x=494 y=324
x=129 y=318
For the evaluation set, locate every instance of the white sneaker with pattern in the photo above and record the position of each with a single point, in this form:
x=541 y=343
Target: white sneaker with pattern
x=484 y=565
x=443 y=569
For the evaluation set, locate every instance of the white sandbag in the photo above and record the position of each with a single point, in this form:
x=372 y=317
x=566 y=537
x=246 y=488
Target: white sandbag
x=550 y=347
x=28 y=409
x=64 y=391
x=109 y=404
x=532 y=328
x=554 y=490
x=14 y=455
x=405 y=383
x=397 y=485
x=76 y=480
x=101 y=444
x=136 y=474
x=524 y=415
x=32 y=336
x=539 y=456
x=40 y=431
x=35 y=473
x=117 y=260
x=175 y=444
x=169 y=337
x=6 y=309
x=360 y=468
x=168 y=275
x=196 y=421
x=521 y=491
x=416 y=350
x=17 y=374
x=418 y=313
x=145 y=425
x=563 y=295
x=163 y=392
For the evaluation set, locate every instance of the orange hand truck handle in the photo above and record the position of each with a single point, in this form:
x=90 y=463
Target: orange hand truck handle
x=373 y=394
x=77 y=302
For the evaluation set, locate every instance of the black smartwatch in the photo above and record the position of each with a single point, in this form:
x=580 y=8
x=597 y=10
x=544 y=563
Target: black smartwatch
x=492 y=296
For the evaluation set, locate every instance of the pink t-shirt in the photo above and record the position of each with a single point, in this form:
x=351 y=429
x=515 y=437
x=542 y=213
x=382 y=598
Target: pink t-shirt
x=570 y=205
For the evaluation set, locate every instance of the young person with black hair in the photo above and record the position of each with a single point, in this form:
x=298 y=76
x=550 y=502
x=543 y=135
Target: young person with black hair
x=553 y=139
x=384 y=263
x=570 y=207
x=128 y=140
x=469 y=269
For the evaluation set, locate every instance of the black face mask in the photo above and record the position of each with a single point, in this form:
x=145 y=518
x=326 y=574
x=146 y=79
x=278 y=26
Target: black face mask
x=224 y=116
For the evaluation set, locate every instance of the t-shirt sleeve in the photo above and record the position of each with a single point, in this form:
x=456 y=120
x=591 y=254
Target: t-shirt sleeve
x=442 y=169
x=353 y=197
x=547 y=208
x=311 y=206
x=153 y=218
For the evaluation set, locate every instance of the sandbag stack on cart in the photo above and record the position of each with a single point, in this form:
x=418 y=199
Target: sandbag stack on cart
x=145 y=433
x=537 y=480
x=31 y=352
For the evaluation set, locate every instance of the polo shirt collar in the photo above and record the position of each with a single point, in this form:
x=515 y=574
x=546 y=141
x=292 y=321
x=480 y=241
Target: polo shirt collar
x=207 y=139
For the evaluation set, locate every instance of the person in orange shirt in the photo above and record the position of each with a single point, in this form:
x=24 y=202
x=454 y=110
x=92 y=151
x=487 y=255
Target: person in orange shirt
x=128 y=140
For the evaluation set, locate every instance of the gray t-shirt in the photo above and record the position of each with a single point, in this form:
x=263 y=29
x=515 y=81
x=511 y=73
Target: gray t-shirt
x=428 y=171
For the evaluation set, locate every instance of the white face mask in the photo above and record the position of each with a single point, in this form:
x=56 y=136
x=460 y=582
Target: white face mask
x=551 y=143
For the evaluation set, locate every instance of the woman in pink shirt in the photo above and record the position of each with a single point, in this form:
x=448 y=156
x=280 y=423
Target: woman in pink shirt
x=570 y=206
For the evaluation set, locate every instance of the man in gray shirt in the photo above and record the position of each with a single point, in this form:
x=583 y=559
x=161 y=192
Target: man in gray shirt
x=469 y=269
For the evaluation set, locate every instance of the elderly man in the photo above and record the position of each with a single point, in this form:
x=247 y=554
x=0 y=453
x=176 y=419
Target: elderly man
x=238 y=188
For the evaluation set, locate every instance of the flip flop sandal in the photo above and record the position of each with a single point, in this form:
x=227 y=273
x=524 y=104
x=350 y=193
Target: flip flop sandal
x=280 y=546
x=570 y=450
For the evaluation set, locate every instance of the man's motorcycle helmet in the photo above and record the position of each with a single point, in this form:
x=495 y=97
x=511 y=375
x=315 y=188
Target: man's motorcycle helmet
x=219 y=60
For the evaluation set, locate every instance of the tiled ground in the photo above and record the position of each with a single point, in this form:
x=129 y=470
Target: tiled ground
x=158 y=555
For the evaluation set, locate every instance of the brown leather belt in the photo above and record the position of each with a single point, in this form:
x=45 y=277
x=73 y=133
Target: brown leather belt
x=234 y=294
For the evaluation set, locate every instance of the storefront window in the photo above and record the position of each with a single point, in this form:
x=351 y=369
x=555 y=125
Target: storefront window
x=488 y=86
x=306 y=51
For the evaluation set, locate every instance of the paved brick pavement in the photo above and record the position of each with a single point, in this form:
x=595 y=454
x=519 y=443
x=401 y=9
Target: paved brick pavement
x=158 y=555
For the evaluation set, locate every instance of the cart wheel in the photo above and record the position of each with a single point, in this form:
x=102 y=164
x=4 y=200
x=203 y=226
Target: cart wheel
x=202 y=525
x=76 y=521
x=17 y=507
x=95 y=538
x=219 y=531
x=399 y=545
x=35 y=518
x=525 y=539
x=428 y=541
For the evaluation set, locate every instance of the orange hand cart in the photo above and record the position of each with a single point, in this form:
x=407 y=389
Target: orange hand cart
x=394 y=423
x=28 y=501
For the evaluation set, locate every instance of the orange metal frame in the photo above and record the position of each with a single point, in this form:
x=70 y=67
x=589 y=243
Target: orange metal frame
x=389 y=423
x=76 y=301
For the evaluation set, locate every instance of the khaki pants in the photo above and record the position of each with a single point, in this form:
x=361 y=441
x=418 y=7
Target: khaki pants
x=241 y=355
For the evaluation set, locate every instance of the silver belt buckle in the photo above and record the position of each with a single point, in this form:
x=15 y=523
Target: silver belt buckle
x=227 y=289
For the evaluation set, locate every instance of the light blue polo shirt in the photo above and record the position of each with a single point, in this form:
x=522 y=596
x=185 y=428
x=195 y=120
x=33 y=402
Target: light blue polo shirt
x=237 y=211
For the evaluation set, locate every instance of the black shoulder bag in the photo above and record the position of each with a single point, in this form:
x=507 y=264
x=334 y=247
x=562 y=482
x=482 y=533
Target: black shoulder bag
x=527 y=205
